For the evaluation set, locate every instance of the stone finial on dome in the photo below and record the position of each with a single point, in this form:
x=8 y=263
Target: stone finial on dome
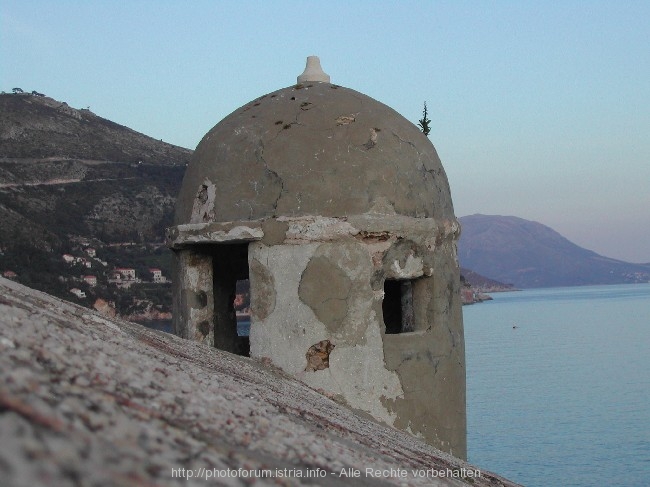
x=313 y=72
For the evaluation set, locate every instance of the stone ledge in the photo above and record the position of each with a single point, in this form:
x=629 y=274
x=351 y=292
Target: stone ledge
x=181 y=236
x=316 y=228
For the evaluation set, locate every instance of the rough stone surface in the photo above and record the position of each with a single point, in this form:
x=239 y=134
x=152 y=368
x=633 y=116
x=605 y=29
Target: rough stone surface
x=91 y=401
x=194 y=301
x=197 y=233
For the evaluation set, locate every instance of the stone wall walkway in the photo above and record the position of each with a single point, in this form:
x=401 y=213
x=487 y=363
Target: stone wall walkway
x=91 y=401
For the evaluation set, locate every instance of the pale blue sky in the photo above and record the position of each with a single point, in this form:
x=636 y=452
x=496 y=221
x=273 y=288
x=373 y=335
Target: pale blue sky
x=539 y=109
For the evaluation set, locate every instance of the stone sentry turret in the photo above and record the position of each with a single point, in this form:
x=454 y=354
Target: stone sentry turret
x=338 y=211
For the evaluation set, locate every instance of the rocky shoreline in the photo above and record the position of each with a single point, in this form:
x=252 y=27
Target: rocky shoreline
x=473 y=296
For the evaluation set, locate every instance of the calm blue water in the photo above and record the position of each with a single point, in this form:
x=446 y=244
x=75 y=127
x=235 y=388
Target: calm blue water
x=564 y=398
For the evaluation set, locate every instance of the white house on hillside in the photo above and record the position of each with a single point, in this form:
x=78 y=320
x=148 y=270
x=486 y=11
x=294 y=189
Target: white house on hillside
x=157 y=275
x=78 y=292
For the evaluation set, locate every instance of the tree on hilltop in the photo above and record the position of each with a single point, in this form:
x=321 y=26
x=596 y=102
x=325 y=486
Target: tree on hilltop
x=424 y=122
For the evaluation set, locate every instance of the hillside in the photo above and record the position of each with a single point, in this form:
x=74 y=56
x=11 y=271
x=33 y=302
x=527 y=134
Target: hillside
x=528 y=254
x=483 y=284
x=67 y=172
x=39 y=127
x=72 y=181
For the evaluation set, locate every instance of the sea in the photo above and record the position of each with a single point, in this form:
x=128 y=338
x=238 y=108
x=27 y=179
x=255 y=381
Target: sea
x=243 y=326
x=558 y=385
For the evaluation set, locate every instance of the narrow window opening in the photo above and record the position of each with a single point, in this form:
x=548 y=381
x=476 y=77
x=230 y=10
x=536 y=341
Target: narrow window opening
x=230 y=279
x=397 y=307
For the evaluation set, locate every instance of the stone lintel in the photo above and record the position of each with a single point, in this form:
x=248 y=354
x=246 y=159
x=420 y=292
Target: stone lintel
x=405 y=226
x=326 y=229
x=181 y=236
x=313 y=229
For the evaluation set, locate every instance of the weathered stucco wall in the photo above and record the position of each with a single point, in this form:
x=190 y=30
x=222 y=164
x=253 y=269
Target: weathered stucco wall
x=344 y=211
x=317 y=299
x=325 y=283
x=431 y=363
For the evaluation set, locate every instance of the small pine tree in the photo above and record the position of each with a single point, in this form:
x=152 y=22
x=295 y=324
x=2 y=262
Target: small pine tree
x=425 y=121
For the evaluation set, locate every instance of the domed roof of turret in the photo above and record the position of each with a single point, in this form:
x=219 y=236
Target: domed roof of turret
x=313 y=148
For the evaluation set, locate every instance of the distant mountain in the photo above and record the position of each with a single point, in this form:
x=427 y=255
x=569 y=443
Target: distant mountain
x=528 y=254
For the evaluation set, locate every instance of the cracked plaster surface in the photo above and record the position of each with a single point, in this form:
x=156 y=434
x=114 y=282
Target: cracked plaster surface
x=203 y=208
x=291 y=325
x=356 y=370
x=321 y=278
x=315 y=150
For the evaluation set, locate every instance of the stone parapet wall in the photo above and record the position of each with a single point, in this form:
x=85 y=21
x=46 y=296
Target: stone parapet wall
x=87 y=400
